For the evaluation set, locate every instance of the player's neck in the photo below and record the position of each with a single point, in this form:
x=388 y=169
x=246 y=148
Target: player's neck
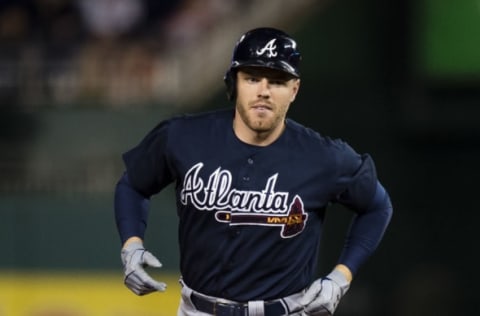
x=256 y=138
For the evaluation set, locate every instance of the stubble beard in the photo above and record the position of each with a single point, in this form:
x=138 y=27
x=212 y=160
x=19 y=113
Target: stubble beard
x=262 y=124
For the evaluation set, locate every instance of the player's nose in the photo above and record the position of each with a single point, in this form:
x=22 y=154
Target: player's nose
x=264 y=88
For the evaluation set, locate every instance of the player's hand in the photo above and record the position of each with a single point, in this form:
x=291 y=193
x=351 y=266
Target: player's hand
x=135 y=258
x=323 y=296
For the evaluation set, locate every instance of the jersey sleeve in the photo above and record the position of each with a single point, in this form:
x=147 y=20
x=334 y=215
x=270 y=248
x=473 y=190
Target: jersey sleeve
x=360 y=190
x=356 y=180
x=131 y=210
x=367 y=230
x=147 y=163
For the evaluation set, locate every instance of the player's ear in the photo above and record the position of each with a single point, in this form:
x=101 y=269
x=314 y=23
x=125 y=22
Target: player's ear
x=296 y=87
x=230 y=80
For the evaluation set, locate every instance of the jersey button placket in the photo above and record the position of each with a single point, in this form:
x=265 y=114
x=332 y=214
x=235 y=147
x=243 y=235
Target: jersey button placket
x=246 y=177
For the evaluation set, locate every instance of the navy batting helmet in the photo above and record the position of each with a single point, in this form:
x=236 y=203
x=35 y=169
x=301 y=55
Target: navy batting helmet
x=263 y=47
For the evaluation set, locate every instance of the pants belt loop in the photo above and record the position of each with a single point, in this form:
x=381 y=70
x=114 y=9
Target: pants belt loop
x=256 y=308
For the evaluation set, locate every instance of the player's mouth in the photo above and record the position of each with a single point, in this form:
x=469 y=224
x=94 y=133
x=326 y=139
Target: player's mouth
x=261 y=107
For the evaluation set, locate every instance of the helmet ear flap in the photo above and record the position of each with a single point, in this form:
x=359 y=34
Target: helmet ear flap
x=230 y=82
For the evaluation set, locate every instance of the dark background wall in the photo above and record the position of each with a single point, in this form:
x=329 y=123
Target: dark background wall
x=365 y=80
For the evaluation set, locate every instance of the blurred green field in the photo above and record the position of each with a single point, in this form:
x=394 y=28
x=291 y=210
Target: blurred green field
x=82 y=294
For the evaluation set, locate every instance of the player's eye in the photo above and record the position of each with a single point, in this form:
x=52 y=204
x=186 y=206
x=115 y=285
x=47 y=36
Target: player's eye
x=278 y=82
x=252 y=79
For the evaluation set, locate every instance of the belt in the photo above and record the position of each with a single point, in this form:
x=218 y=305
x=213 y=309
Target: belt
x=271 y=308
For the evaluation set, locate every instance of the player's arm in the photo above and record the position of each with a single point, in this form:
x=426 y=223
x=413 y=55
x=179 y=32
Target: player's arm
x=367 y=230
x=131 y=212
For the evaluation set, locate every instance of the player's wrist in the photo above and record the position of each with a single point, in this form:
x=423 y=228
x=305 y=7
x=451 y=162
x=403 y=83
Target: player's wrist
x=345 y=271
x=132 y=240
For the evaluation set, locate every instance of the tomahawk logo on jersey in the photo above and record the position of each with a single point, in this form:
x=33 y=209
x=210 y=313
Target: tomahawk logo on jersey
x=243 y=207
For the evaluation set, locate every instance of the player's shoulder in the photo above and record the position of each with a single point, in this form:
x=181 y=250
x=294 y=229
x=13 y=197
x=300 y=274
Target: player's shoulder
x=302 y=134
x=327 y=149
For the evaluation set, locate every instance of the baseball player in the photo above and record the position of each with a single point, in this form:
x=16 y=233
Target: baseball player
x=252 y=188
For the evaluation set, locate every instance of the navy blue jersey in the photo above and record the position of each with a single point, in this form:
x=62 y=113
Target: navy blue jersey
x=250 y=217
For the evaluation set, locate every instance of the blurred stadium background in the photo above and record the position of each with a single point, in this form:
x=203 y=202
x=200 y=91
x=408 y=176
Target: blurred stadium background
x=82 y=81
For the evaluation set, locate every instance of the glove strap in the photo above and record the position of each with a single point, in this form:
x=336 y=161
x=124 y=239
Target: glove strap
x=339 y=278
x=134 y=245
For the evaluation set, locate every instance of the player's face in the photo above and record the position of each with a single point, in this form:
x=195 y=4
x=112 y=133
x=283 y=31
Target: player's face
x=263 y=98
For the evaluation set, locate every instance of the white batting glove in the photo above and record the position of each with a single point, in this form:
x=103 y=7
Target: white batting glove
x=135 y=258
x=323 y=296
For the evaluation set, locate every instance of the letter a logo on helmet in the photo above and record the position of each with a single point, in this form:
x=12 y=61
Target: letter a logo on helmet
x=270 y=47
